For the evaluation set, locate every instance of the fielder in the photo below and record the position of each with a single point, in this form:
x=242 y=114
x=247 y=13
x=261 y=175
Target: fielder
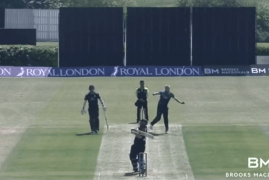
x=142 y=102
x=92 y=97
x=162 y=108
x=139 y=145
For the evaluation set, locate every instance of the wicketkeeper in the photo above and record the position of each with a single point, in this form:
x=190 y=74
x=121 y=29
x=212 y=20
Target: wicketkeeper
x=92 y=97
x=139 y=145
x=162 y=108
x=142 y=102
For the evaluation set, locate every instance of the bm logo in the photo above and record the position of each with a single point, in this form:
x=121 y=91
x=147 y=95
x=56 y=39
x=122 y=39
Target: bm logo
x=211 y=71
x=258 y=71
x=254 y=162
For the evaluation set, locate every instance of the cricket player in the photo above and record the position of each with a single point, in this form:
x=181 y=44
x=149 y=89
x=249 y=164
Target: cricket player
x=139 y=145
x=162 y=108
x=142 y=102
x=92 y=97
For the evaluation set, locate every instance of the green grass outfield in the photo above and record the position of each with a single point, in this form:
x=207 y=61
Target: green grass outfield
x=223 y=123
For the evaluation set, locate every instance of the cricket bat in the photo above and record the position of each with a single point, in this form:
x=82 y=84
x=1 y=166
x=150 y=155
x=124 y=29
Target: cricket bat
x=136 y=132
x=107 y=126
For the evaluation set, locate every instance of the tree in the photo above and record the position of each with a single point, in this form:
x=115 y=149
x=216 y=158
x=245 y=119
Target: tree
x=28 y=4
x=98 y=3
x=55 y=4
x=262 y=20
x=209 y=3
x=12 y=4
x=119 y=3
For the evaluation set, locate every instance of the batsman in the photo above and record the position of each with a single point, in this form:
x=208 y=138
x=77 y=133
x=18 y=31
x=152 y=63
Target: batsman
x=92 y=97
x=139 y=145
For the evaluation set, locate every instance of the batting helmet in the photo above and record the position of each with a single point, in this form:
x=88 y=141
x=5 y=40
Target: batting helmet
x=143 y=123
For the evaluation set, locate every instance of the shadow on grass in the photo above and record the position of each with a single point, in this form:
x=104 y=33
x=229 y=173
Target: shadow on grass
x=131 y=174
x=83 y=134
x=133 y=123
x=155 y=134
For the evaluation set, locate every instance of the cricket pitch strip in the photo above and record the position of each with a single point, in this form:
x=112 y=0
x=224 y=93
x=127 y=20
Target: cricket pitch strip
x=167 y=157
x=9 y=137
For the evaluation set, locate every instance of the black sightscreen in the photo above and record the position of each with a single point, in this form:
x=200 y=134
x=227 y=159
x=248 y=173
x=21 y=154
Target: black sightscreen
x=224 y=36
x=91 y=37
x=158 y=36
x=2 y=17
x=18 y=36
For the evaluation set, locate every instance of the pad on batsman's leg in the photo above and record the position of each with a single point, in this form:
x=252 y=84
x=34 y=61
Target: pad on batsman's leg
x=142 y=164
x=133 y=155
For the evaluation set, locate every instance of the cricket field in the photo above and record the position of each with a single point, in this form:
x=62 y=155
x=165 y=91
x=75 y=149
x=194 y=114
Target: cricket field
x=222 y=124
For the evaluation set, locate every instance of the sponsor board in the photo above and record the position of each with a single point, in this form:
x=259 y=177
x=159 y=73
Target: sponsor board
x=259 y=70
x=226 y=71
x=115 y=71
x=253 y=163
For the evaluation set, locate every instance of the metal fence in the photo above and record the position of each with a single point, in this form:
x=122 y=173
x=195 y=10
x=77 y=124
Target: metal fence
x=44 y=21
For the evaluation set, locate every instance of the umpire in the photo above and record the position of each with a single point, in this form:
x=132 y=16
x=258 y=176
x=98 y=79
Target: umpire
x=142 y=95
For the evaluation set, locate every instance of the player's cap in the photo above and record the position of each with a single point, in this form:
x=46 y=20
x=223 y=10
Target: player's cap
x=142 y=81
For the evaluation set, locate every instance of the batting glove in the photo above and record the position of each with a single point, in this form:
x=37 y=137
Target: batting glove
x=104 y=108
x=83 y=111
